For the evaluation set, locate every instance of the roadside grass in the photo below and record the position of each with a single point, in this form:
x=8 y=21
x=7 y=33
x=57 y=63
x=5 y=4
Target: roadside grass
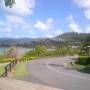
x=80 y=68
x=20 y=70
x=74 y=65
x=2 y=70
x=86 y=69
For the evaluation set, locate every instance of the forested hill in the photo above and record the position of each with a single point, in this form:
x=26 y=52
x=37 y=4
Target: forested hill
x=69 y=38
x=72 y=36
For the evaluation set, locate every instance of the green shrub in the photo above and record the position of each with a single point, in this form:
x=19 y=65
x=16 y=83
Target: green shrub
x=83 y=60
x=3 y=60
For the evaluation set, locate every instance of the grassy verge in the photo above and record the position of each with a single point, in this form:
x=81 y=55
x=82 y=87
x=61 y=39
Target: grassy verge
x=2 y=70
x=20 y=70
x=80 y=68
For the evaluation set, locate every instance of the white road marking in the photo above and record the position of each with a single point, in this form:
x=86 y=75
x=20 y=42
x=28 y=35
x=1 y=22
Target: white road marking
x=66 y=74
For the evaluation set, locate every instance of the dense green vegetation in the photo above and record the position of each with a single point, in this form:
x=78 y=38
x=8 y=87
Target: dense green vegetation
x=38 y=51
x=83 y=60
x=73 y=36
x=42 y=51
x=4 y=60
x=85 y=50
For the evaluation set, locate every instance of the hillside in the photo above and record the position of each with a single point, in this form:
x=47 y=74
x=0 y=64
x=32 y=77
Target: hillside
x=73 y=38
x=69 y=38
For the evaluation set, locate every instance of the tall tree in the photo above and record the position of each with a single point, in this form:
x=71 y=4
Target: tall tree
x=41 y=50
x=8 y=3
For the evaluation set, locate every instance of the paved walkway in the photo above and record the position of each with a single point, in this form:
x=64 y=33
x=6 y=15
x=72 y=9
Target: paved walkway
x=10 y=84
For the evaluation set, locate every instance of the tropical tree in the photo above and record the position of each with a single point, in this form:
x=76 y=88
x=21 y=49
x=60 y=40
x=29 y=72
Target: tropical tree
x=8 y=3
x=41 y=50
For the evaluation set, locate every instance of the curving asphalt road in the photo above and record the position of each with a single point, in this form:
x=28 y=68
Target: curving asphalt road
x=51 y=72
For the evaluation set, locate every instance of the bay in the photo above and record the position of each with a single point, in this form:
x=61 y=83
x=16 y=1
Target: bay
x=21 y=49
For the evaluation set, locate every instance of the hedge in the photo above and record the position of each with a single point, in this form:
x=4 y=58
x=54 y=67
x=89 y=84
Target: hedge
x=83 y=60
x=4 y=60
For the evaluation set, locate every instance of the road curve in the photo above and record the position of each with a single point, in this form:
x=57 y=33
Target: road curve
x=51 y=72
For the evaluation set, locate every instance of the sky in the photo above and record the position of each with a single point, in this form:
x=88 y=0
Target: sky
x=44 y=18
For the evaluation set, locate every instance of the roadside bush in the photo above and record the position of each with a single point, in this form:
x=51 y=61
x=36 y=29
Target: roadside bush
x=83 y=60
x=4 y=60
x=27 y=58
x=31 y=54
x=39 y=51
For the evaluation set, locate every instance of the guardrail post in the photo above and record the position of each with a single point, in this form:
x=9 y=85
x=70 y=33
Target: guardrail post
x=10 y=66
x=6 y=71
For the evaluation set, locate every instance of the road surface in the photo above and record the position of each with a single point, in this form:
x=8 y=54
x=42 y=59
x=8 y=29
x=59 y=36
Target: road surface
x=51 y=72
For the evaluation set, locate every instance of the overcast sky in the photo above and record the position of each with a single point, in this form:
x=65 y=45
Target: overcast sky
x=44 y=18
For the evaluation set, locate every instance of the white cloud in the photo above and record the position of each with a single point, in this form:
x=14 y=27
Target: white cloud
x=17 y=22
x=70 y=18
x=58 y=32
x=52 y=33
x=41 y=25
x=50 y=21
x=44 y=25
x=85 y=4
x=13 y=24
x=21 y=7
x=88 y=29
x=15 y=19
x=6 y=31
x=74 y=27
x=26 y=26
x=1 y=23
x=87 y=13
x=82 y=3
x=48 y=35
x=47 y=28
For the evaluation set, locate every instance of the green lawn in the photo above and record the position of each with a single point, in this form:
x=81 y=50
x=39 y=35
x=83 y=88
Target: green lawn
x=80 y=68
x=20 y=70
x=2 y=69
